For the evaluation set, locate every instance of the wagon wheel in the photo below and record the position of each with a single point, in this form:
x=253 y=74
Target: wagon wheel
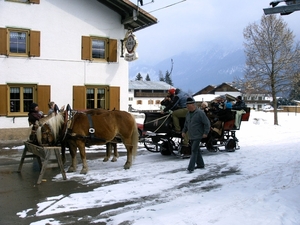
x=152 y=144
x=230 y=145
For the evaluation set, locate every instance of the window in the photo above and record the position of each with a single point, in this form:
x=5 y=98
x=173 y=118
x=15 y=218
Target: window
x=19 y=42
x=157 y=102
x=130 y=99
x=139 y=102
x=90 y=97
x=20 y=98
x=150 y=102
x=16 y=98
x=96 y=98
x=99 y=49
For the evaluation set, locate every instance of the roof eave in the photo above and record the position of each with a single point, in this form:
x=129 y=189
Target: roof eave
x=126 y=9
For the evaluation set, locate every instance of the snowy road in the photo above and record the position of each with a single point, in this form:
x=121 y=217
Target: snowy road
x=258 y=184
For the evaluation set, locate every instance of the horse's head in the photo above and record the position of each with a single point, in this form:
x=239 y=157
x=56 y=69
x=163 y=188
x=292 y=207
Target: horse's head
x=47 y=137
x=49 y=132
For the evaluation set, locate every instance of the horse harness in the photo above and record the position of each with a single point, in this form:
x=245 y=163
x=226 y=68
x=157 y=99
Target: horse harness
x=91 y=129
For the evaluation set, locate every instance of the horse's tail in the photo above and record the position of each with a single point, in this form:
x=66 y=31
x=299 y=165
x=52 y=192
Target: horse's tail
x=134 y=138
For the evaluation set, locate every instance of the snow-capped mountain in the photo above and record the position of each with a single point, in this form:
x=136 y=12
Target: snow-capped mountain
x=194 y=71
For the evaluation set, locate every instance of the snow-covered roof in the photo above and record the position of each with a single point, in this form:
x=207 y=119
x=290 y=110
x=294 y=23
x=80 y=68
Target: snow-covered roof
x=149 y=85
x=205 y=97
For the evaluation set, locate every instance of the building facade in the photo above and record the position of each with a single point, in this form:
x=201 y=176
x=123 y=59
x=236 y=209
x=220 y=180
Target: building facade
x=146 y=95
x=70 y=52
x=253 y=99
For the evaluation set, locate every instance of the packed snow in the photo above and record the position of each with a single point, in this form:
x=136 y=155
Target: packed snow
x=257 y=184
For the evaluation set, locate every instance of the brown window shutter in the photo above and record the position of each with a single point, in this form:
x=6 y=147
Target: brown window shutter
x=3 y=101
x=34 y=43
x=43 y=97
x=3 y=41
x=112 y=50
x=86 y=48
x=79 y=97
x=34 y=1
x=114 y=98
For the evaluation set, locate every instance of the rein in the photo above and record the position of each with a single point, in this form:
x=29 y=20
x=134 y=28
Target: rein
x=166 y=117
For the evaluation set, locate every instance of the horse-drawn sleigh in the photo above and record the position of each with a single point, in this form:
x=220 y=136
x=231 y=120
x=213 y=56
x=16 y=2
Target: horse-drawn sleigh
x=158 y=135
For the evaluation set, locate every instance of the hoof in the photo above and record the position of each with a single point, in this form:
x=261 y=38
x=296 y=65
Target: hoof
x=84 y=171
x=105 y=159
x=114 y=159
x=71 y=169
x=127 y=166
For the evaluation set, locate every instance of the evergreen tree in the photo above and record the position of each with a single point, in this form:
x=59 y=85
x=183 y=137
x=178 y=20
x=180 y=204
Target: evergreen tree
x=168 y=78
x=148 y=78
x=138 y=77
x=161 y=76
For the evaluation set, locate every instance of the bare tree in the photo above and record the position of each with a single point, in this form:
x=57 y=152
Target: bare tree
x=272 y=57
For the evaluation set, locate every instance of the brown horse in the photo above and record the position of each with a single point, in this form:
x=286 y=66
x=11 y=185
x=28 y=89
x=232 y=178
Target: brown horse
x=98 y=127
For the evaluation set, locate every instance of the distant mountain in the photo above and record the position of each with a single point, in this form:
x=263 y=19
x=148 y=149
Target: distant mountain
x=194 y=71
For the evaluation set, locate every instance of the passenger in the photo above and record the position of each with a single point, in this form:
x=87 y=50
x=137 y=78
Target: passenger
x=197 y=125
x=34 y=114
x=207 y=111
x=51 y=108
x=168 y=99
x=240 y=104
x=221 y=115
x=204 y=107
x=239 y=107
x=178 y=106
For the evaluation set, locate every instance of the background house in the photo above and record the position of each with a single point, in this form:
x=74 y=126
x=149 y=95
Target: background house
x=69 y=52
x=147 y=95
x=253 y=99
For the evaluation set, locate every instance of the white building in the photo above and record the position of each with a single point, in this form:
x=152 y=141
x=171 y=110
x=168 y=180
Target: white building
x=147 y=95
x=66 y=51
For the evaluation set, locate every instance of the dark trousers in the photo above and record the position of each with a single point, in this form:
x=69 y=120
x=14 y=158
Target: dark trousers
x=196 y=157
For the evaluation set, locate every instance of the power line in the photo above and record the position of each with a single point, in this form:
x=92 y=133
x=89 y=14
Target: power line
x=167 y=6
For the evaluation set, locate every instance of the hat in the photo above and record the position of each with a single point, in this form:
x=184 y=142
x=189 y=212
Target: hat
x=223 y=97
x=190 y=100
x=239 y=97
x=171 y=91
x=33 y=105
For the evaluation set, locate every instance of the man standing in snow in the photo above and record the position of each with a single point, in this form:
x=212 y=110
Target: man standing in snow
x=198 y=126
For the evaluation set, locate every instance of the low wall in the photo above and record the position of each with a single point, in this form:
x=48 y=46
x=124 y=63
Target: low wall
x=290 y=108
x=14 y=135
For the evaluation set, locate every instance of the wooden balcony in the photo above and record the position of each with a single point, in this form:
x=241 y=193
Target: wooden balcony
x=150 y=95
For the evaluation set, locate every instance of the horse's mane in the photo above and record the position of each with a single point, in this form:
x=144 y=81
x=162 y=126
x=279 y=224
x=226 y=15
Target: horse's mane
x=39 y=134
x=43 y=120
x=55 y=124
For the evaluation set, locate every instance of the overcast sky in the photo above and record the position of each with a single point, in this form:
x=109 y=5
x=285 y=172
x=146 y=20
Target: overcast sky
x=194 y=24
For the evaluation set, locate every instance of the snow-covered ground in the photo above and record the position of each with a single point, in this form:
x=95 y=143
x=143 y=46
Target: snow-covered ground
x=258 y=184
